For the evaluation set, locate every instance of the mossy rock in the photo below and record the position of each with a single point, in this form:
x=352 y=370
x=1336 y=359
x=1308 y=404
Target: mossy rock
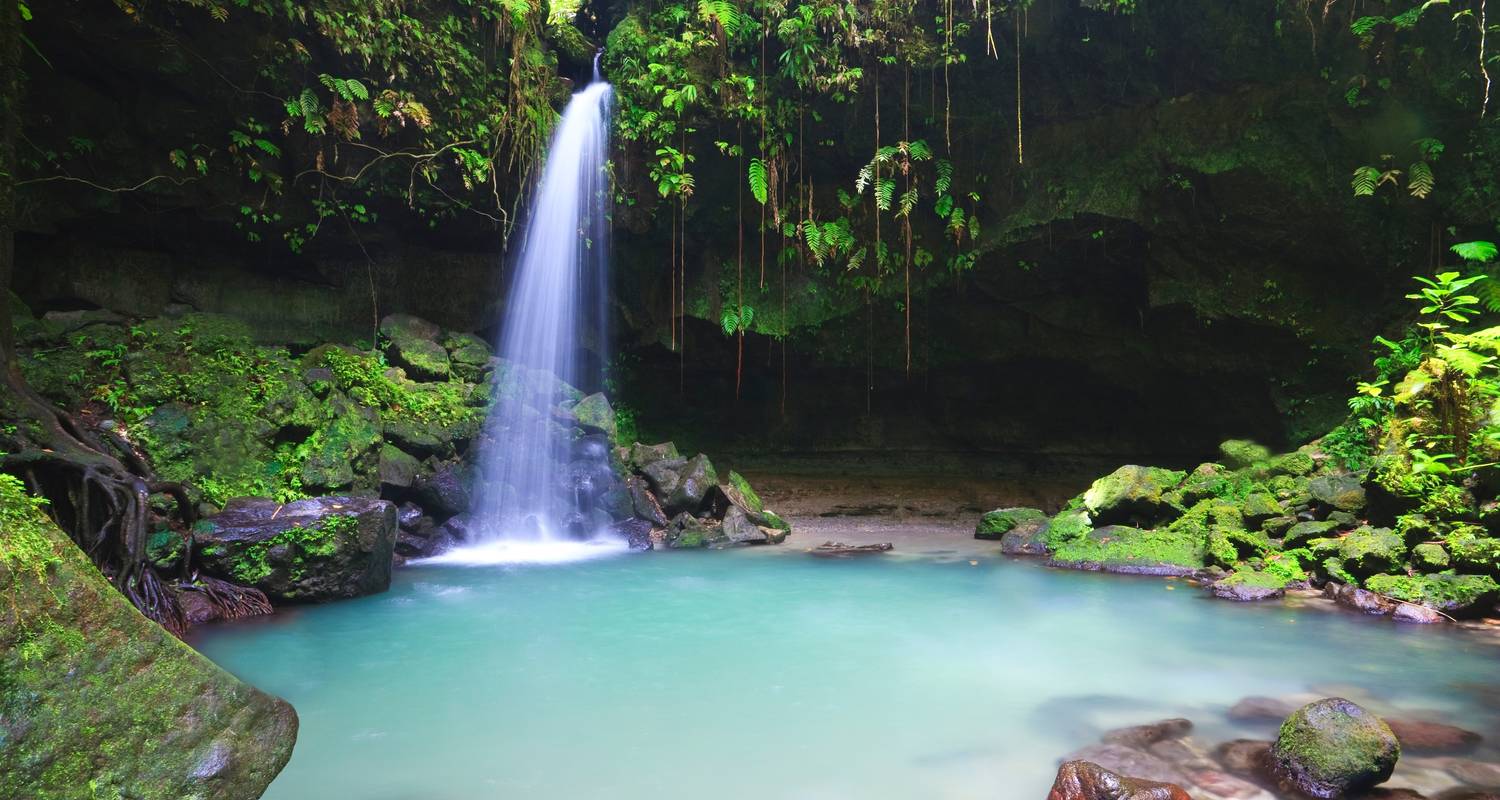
x=1344 y=492
x=594 y=413
x=324 y=548
x=343 y=454
x=1453 y=594
x=1247 y=585
x=1119 y=548
x=1304 y=532
x=1243 y=453
x=1334 y=748
x=1278 y=527
x=642 y=455
x=1132 y=493
x=1204 y=482
x=413 y=345
x=1259 y=507
x=995 y=524
x=98 y=701
x=1297 y=464
x=1369 y=551
x=1430 y=557
x=1473 y=550
x=1068 y=526
x=744 y=494
x=468 y=354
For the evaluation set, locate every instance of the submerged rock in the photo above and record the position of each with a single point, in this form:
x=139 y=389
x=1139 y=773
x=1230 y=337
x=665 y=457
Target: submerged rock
x=1085 y=780
x=325 y=548
x=1332 y=747
x=98 y=701
x=1143 y=736
x=1426 y=736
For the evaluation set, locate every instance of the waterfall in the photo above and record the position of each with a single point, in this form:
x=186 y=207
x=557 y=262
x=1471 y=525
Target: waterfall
x=535 y=475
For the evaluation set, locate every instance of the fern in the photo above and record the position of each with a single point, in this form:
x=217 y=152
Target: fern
x=1363 y=26
x=1365 y=180
x=724 y=12
x=1475 y=251
x=908 y=202
x=944 y=177
x=918 y=150
x=866 y=174
x=758 y=181
x=1420 y=180
x=884 y=192
x=944 y=206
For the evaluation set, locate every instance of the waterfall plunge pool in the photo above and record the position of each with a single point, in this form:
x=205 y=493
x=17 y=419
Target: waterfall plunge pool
x=768 y=673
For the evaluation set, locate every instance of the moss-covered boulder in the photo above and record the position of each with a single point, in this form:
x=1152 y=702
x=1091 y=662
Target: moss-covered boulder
x=1027 y=538
x=694 y=480
x=97 y=701
x=1247 y=585
x=640 y=456
x=1123 y=549
x=413 y=345
x=1067 y=526
x=741 y=493
x=594 y=413
x=1343 y=492
x=1132 y=494
x=1369 y=551
x=1259 y=507
x=995 y=524
x=324 y=548
x=1429 y=557
x=1243 y=453
x=1472 y=549
x=468 y=354
x=1303 y=532
x=1333 y=748
x=1459 y=595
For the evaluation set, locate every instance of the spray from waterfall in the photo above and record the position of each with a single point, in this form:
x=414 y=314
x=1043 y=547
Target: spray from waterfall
x=540 y=484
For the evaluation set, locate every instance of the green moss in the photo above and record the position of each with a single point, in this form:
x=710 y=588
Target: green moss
x=1429 y=557
x=995 y=524
x=1443 y=592
x=1241 y=453
x=253 y=564
x=1123 y=547
x=1066 y=527
x=1330 y=740
x=747 y=492
x=1259 y=579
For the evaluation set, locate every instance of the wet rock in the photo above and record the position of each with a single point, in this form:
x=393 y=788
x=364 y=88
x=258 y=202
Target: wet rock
x=635 y=532
x=1341 y=492
x=640 y=455
x=1262 y=709
x=664 y=476
x=324 y=548
x=1426 y=736
x=1417 y=615
x=1141 y=737
x=397 y=469
x=1132 y=494
x=594 y=414
x=408 y=514
x=687 y=532
x=1358 y=599
x=1083 y=780
x=645 y=503
x=414 y=438
x=1247 y=758
x=1129 y=761
x=1481 y=774
x=469 y=354
x=738 y=529
x=447 y=491
x=696 y=478
x=1026 y=539
x=995 y=524
x=1182 y=754
x=460 y=528
x=1214 y=785
x=1458 y=793
x=1333 y=747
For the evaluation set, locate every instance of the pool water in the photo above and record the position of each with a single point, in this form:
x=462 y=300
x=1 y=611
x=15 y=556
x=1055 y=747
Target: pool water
x=771 y=674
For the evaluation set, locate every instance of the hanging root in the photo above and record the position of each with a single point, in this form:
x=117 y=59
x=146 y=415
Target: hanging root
x=232 y=600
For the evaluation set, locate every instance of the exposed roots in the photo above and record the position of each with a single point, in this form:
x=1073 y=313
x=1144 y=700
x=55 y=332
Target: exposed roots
x=232 y=600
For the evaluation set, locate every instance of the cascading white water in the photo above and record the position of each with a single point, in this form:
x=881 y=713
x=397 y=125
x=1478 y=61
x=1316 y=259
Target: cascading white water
x=554 y=310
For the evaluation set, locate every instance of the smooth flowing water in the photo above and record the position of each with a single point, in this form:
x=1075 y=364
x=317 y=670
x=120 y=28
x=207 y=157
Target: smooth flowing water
x=772 y=674
x=553 y=311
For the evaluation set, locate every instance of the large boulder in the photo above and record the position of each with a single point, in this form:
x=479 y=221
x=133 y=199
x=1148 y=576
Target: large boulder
x=995 y=524
x=98 y=701
x=413 y=345
x=1132 y=551
x=694 y=481
x=1340 y=492
x=1332 y=748
x=447 y=491
x=1084 y=780
x=1131 y=494
x=1368 y=551
x=593 y=413
x=1452 y=594
x=324 y=548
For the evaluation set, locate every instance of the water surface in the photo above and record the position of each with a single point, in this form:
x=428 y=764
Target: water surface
x=760 y=674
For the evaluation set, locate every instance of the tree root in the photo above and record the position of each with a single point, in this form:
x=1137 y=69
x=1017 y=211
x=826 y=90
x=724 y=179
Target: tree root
x=232 y=600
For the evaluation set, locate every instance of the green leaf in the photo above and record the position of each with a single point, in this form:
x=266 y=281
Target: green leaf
x=758 y=180
x=1475 y=251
